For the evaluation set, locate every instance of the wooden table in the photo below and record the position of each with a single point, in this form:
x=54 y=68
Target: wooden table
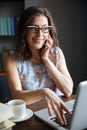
x=33 y=123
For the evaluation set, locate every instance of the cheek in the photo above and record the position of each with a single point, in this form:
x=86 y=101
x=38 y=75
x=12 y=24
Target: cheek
x=46 y=35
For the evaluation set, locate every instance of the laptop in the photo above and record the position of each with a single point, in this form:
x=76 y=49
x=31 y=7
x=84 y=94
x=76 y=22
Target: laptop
x=78 y=106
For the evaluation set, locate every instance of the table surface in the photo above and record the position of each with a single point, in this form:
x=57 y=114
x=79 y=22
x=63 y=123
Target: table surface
x=34 y=123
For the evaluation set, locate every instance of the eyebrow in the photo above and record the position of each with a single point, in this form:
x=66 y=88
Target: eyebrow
x=38 y=26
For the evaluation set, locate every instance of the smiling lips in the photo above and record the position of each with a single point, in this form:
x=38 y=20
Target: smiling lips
x=37 y=40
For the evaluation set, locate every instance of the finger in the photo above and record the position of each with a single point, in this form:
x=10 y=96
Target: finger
x=61 y=112
x=63 y=117
x=65 y=108
x=49 y=40
x=47 y=101
x=50 y=111
x=58 y=111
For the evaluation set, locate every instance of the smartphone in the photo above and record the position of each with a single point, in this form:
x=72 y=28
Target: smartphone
x=44 y=45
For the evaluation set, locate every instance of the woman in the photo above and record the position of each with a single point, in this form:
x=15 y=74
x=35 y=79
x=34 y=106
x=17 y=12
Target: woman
x=38 y=69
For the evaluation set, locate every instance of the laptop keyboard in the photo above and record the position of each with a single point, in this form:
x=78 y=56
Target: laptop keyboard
x=68 y=119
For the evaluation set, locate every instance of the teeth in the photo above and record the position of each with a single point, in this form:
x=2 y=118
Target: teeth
x=37 y=39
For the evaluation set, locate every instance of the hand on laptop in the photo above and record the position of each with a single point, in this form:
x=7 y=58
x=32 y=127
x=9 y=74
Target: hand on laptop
x=54 y=103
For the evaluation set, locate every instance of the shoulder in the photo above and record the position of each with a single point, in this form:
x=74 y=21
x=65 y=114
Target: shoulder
x=61 y=54
x=57 y=51
x=10 y=58
x=60 y=50
x=54 y=49
x=61 y=59
x=10 y=63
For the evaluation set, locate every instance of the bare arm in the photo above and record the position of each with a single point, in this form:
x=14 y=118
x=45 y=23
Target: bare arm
x=15 y=84
x=59 y=74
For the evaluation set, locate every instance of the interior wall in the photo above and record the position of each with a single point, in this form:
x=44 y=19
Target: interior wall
x=70 y=17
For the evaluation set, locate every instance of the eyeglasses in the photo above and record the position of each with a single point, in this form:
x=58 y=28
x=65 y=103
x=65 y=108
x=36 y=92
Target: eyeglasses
x=35 y=29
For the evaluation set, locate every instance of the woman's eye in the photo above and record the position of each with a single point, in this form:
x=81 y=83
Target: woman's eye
x=45 y=28
x=33 y=28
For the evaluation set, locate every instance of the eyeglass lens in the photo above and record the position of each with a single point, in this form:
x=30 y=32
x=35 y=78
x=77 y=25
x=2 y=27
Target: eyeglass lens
x=36 y=29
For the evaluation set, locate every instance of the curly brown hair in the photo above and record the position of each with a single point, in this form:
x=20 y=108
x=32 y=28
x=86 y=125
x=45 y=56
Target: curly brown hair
x=22 y=49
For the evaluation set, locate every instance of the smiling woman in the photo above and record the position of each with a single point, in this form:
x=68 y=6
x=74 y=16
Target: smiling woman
x=38 y=31
x=37 y=70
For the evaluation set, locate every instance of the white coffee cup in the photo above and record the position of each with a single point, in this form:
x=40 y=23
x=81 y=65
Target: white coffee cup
x=18 y=106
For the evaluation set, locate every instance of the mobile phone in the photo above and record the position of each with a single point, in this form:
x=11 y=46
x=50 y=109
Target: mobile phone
x=44 y=45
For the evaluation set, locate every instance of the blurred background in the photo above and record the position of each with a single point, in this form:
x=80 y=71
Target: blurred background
x=70 y=17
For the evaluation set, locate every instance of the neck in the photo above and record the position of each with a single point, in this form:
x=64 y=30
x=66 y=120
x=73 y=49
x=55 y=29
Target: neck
x=36 y=58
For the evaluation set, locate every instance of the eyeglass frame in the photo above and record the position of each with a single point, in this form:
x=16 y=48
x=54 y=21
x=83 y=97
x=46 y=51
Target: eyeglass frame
x=39 y=28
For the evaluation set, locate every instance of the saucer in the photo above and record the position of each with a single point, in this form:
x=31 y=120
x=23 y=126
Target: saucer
x=28 y=114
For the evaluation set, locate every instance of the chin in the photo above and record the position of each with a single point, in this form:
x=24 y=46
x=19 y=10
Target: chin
x=38 y=47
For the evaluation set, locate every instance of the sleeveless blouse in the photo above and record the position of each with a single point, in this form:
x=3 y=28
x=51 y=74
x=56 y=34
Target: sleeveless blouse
x=35 y=77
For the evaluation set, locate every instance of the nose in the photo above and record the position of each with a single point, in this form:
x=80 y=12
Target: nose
x=39 y=33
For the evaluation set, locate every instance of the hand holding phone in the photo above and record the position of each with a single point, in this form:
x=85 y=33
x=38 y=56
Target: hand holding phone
x=44 y=45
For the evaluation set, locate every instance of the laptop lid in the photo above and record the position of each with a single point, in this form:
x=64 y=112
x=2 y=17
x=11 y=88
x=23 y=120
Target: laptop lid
x=79 y=106
x=79 y=117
